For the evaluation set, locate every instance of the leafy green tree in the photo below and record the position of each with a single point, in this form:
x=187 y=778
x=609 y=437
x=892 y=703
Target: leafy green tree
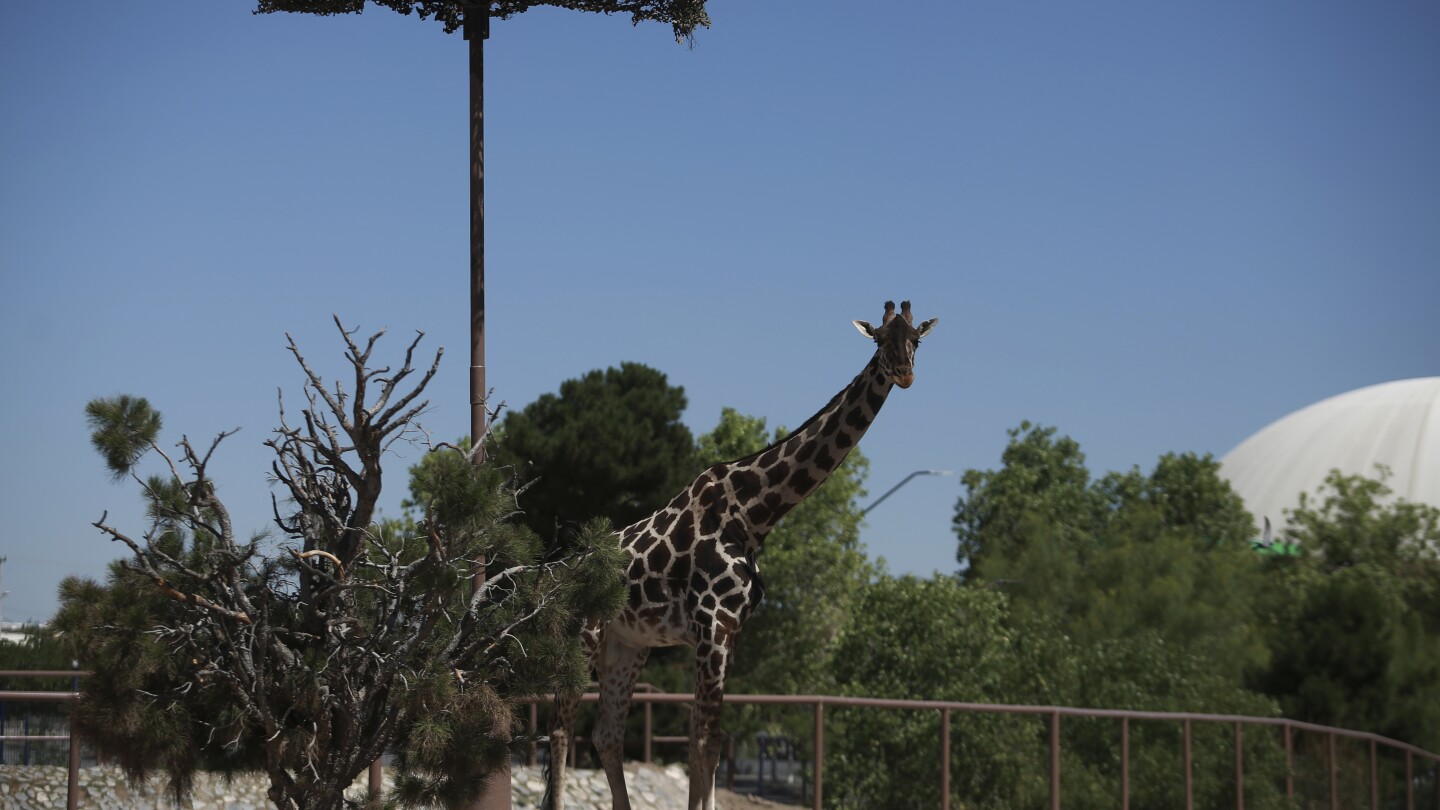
x=1143 y=592
x=929 y=639
x=943 y=639
x=1040 y=477
x=1125 y=555
x=308 y=656
x=1354 y=623
x=609 y=443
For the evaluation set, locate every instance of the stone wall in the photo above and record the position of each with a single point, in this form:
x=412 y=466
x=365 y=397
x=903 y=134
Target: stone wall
x=39 y=787
x=43 y=787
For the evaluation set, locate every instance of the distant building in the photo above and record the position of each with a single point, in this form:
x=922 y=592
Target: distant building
x=15 y=632
x=1396 y=424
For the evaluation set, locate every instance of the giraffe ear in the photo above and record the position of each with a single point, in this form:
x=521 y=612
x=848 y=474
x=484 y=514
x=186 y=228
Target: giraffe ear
x=926 y=327
x=865 y=328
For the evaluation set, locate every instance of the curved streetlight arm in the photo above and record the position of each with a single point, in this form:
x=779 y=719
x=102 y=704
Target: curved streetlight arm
x=903 y=482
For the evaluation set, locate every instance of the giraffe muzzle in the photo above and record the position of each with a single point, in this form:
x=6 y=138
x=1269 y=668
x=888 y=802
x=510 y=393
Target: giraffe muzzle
x=904 y=379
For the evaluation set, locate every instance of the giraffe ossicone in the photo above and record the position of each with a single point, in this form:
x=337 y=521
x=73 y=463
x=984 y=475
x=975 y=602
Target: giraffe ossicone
x=693 y=573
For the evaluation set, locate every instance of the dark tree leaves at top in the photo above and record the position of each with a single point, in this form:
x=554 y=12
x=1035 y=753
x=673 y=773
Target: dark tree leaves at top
x=683 y=15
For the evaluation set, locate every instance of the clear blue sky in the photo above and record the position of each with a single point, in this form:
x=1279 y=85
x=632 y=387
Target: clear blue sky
x=1157 y=226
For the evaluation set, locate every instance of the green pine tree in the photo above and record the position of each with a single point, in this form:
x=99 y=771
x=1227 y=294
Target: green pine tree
x=308 y=655
x=610 y=443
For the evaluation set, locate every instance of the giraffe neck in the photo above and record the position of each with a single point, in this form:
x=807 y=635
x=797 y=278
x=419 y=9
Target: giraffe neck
x=768 y=484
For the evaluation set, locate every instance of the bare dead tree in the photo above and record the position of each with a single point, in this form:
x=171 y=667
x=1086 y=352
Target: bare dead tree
x=310 y=654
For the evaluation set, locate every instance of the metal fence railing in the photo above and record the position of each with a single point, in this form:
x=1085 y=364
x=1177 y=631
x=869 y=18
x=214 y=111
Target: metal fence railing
x=1053 y=715
x=72 y=791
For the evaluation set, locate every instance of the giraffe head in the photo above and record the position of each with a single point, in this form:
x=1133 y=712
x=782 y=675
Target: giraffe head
x=897 y=339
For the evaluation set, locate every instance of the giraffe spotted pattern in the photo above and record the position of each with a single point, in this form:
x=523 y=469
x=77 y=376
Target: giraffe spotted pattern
x=693 y=574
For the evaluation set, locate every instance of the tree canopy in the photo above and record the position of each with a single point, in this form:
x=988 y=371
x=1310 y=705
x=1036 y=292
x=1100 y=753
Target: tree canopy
x=684 y=16
x=610 y=443
x=1354 y=623
x=929 y=639
x=1124 y=555
x=1131 y=590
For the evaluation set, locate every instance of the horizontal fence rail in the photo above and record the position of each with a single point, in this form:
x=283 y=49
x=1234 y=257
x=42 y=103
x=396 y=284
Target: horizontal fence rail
x=1052 y=714
x=72 y=785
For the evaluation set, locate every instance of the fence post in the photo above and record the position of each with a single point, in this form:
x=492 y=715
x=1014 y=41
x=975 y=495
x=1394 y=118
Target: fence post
x=649 y=727
x=1334 y=776
x=1054 y=760
x=376 y=783
x=72 y=786
x=534 y=732
x=1189 y=775
x=730 y=762
x=1239 y=766
x=1409 y=781
x=1289 y=763
x=1124 y=763
x=819 y=753
x=1374 y=779
x=944 y=759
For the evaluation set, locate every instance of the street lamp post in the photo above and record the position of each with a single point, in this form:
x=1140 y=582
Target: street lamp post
x=903 y=482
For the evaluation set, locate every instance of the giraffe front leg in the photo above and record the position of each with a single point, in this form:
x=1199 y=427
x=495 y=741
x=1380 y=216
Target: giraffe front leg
x=706 y=743
x=618 y=666
x=707 y=740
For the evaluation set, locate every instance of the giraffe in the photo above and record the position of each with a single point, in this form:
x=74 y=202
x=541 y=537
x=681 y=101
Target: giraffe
x=693 y=575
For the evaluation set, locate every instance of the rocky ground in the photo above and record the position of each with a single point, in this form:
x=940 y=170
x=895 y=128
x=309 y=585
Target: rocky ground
x=652 y=787
x=35 y=787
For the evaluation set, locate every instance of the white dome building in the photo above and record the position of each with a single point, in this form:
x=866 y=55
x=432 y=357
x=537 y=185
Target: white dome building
x=1396 y=424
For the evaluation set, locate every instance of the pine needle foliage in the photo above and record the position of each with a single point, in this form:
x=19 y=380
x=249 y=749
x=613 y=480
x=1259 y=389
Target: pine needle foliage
x=309 y=654
x=122 y=429
x=684 y=16
x=610 y=442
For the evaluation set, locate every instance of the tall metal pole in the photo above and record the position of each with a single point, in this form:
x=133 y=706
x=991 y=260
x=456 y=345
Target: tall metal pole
x=477 y=29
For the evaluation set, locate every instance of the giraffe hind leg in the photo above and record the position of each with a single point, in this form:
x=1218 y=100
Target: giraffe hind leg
x=563 y=725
